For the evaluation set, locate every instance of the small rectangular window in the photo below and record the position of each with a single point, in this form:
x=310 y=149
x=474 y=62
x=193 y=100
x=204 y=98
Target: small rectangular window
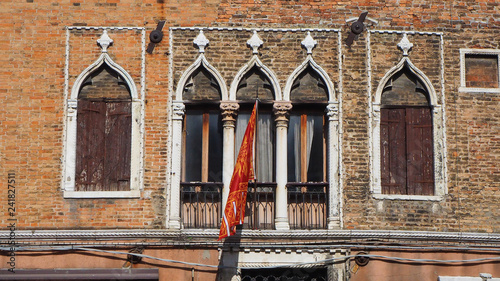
x=480 y=70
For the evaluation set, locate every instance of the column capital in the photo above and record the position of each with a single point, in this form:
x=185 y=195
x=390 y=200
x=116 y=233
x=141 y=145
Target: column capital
x=376 y=112
x=229 y=111
x=179 y=109
x=332 y=111
x=281 y=111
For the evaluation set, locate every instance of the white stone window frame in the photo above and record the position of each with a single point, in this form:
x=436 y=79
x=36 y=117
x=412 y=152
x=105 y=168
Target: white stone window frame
x=229 y=108
x=69 y=162
x=463 y=54
x=438 y=127
x=332 y=114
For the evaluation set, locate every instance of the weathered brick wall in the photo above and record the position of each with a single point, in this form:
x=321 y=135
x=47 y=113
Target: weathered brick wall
x=32 y=87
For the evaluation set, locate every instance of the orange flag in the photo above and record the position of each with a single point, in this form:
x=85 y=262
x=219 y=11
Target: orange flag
x=234 y=212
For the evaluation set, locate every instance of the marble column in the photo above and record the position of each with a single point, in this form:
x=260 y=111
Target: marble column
x=229 y=112
x=281 y=111
x=177 y=118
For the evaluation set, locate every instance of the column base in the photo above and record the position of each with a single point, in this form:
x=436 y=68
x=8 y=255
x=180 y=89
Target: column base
x=334 y=223
x=174 y=223
x=282 y=224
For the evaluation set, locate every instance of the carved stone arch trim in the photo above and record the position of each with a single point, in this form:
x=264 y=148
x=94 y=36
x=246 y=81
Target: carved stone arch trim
x=201 y=61
x=309 y=61
x=406 y=62
x=104 y=58
x=255 y=61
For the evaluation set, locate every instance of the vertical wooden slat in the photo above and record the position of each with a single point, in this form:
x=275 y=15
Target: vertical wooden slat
x=90 y=143
x=420 y=160
x=204 y=154
x=393 y=149
x=303 y=148
x=118 y=146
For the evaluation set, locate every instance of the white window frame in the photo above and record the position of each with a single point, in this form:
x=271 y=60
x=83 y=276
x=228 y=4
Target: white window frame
x=69 y=168
x=463 y=54
x=440 y=188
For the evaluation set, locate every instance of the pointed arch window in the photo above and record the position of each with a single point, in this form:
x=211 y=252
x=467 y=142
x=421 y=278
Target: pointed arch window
x=103 y=144
x=104 y=133
x=256 y=85
x=307 y=154
x=201 y=182
x=406 y=137
x=408 y=149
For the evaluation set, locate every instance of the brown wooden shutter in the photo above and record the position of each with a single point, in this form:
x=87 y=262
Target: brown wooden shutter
x=91 y=116
x=393 y=150
x=118 y=146
x=420 y=179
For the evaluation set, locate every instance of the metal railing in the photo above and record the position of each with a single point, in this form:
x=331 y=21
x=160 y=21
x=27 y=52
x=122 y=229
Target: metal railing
x=259 y=212
x=307 y=205
x=201 y=204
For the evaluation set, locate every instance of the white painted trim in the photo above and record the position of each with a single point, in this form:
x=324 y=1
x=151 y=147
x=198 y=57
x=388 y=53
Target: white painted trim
x=439 y=141
x=201 y=61
x=255 y=61
x=227 y=28
x=462 y=237
x=169 y=109
x=340 y=131
x=407 y=197
x=105 y=28
x=102 y=194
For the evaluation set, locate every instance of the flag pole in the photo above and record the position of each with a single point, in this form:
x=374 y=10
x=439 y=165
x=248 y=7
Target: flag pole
x=256 y=157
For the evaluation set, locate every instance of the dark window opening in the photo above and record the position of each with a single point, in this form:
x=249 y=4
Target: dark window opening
x=285 y=274
x=255 y=84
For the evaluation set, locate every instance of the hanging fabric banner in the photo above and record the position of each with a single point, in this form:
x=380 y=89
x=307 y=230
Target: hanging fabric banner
x=234 y=212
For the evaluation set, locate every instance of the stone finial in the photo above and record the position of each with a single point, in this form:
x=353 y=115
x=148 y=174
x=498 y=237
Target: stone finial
x=405 y=45
x=201 y=41
x=105 y=41
x=255 y=42
x=309 y=43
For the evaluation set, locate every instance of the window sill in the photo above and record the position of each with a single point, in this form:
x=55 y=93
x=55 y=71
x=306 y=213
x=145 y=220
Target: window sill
x=102 y=194
x=479 y=90
x=409 y=197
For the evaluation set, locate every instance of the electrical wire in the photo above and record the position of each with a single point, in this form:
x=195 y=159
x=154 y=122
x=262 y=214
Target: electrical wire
x=313 y=263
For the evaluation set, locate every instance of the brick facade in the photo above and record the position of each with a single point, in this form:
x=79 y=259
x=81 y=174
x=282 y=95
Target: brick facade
x=45 y=42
